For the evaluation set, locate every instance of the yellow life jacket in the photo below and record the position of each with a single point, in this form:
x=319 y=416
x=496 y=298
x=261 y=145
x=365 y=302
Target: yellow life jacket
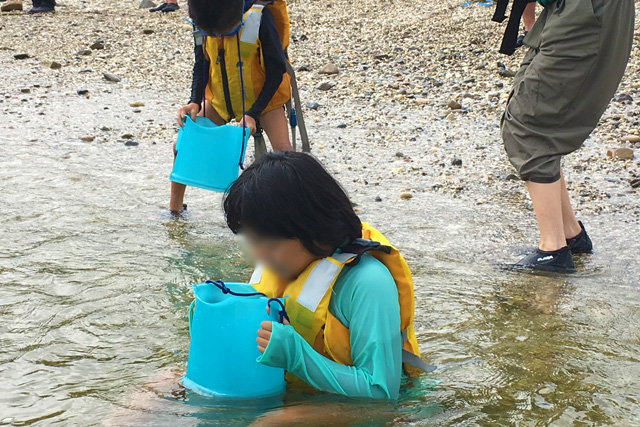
x=308 y=296
x=223 y=89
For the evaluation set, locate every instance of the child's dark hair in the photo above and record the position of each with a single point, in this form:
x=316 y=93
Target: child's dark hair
x=215 y=16
x=290 y=195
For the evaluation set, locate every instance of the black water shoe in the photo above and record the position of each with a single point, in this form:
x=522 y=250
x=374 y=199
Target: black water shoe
x=158 y=8
x=581 y=244
x=559 y=261
x=170 y=7
x=41 y=9
x=520 y=40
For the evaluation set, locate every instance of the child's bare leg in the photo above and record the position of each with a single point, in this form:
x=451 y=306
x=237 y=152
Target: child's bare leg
x=178 y=190
x=275 y=125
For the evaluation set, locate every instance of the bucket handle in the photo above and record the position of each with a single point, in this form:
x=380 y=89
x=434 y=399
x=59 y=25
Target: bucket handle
x=282 y=313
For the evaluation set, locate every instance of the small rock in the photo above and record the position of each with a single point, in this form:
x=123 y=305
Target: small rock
x=421 y=101
x=329 y=69
x=84 y=52
x=111 y=77
x=324 y=86
x=456 y=162
x=631 y=138
x=620 y=153
x=312 y=105
x=97 y=45
x=378 y=199
x=504 y=72
x=451 y=117
x=304 y=68
x=146 y=4
x=136 y=104
x=635 y=183
x=405 y=195
x=21 y=56
x=342 y=126
x=147 y=31
x=87 y=138
x=399 y=154
x=82 y=91
x=25 y=90
x=547 y=389
x=130 y=143
x=55 y=65
x=454 y=105
x=11 y=5
x=127 y=136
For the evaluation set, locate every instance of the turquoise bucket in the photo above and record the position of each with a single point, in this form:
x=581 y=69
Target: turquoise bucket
x=207 y=155
x=223 y=350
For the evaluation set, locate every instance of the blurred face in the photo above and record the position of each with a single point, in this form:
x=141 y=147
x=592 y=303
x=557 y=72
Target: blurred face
x=285 y=257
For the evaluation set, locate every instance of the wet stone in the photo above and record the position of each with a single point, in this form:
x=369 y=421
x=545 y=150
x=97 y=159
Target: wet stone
x=456 y=162
x=304 y=68
x=21 y=56
x=130 y=143
x=25 y=90
x=147 y=31
x=378 y=199
x=84 y=52
x=127 y=136
x=55 y=65
x=82 y=91
x=342 y=126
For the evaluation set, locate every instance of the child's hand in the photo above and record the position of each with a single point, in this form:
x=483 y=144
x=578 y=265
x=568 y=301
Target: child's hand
x=264 y=333
x=250 y=124
x=190 y=109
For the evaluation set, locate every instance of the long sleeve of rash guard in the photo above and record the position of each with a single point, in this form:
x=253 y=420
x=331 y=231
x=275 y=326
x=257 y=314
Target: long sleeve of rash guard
x=365 y=299
x=275 y=63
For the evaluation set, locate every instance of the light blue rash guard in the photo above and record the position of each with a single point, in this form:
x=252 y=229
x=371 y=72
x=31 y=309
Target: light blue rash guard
x=365 y=300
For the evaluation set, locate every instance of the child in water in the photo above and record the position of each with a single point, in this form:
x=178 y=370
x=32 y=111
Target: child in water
x=349 y=300
x=230 y=30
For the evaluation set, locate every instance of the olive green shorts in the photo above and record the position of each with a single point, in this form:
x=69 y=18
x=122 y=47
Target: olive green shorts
x=578 y=53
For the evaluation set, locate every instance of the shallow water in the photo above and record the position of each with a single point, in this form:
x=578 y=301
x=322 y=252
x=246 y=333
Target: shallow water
x=95 y=280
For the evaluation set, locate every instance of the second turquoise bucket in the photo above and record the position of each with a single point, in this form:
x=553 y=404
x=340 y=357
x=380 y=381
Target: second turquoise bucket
x=208 y=156
x=223 y=350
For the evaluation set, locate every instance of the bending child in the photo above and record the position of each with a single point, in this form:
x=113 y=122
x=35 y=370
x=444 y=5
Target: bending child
x=349 y=294
x=231 y=33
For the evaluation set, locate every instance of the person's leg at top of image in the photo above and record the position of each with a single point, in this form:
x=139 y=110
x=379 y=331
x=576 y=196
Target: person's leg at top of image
x=275 y=125
x=176 y=203
x=166 y=6
x=558 y=98
x=42 y=6
x=529 y=18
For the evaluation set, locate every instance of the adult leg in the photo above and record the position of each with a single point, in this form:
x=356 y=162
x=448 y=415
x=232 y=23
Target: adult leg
x=529 y=16
x=275 y=125
x=177 y=189
x=547 y=204
x=571 y=225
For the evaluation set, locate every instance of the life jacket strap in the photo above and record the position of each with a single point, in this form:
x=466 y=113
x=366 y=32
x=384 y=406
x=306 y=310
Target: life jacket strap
x=361 y=246
x=413 y=360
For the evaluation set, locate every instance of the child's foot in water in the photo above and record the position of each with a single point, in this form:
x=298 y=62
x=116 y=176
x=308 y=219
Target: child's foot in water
x=179 y=213
x=581 y=244
x=559 y=261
